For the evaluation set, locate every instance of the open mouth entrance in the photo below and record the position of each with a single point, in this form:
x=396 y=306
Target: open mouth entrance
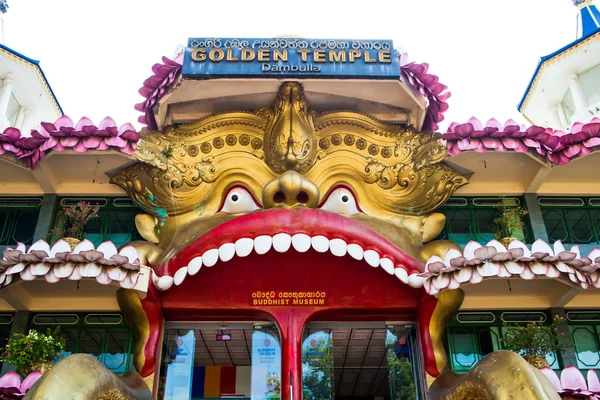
x=242 y=360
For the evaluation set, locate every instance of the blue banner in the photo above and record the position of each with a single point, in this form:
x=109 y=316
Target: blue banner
x=297 y=58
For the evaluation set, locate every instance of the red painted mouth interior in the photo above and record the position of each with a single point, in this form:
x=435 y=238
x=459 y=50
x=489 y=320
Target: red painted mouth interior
x=303 y=220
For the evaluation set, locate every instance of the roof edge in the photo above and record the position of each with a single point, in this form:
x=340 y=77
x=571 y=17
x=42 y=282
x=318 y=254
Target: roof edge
x=547 y=58
x=35 y=63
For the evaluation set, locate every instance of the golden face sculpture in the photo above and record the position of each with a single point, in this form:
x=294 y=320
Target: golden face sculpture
x=315 y=172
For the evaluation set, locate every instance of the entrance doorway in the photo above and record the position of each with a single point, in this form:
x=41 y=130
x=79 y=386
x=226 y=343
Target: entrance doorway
x=238 y=360
x=242 y=360
x=368 y=361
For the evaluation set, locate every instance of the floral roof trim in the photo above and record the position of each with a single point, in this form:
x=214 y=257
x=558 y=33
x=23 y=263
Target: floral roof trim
x=165 y=74
x=66 y=135
x=572 y=384
x=430 y=87
x=154 y=87
x=558 y=147
x=493 y=260
x=105 y=263
x=11 y=387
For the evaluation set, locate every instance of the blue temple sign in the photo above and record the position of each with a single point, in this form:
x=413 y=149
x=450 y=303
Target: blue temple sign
x=292 y=58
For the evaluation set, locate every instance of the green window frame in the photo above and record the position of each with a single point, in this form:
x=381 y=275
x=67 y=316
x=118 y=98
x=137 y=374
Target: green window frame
x=584 y=326
x=472 y=218
x=18 y=220
x=115 y=222
x=471 y=335
x=572 y=220
x=105 y=336
x=6 y=320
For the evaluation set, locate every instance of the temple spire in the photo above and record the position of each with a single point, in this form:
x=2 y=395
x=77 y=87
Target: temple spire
x=588 y=19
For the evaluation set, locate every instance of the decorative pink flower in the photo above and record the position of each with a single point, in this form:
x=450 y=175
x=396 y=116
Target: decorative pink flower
x=65 y=135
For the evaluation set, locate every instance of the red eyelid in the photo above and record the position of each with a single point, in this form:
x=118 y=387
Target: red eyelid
x=348 y=188
x=244 y=189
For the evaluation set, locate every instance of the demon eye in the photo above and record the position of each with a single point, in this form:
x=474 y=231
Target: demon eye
x=239 y=201
x=341 y=201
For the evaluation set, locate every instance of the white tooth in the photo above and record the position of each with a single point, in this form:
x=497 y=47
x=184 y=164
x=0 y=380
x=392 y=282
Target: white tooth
x=262 y=244
x=301 y=242
x=243 y=247
x=180 y=276
x=320 y=243
x=387 y=265
x=416 y=281
x=402 y=275
x=337 y=247
x=195 y=265
x=210 y=257
x=282 y=242
x=226 y=251
x=355 y=251
x=372 y=258
x=164 y=282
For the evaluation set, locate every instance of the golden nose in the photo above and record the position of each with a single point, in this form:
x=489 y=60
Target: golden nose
x=290 y=189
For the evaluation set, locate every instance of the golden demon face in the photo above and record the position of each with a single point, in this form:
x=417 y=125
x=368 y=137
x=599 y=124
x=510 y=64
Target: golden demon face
x=286 y=176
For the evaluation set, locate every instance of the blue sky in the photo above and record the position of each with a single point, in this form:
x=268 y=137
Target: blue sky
x=96 y=54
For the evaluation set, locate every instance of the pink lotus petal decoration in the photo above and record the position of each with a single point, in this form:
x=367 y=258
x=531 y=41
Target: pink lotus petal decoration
x=164 y=75
x=572 y=384
x=558 y=147
x=12 y=388
x=429 y=86
x=105 y=263
x=493 y=260
x=65 y=135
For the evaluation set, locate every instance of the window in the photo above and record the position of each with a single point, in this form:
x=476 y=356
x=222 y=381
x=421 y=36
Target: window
x=5 y=328
x=568 y=105
x=12 y=111
x=115 y=222
x=589 y=81
x=18 y=220
x=584 y=327
x=572 y=220
x=473 y=335
x=473 y=218
x=105 y=336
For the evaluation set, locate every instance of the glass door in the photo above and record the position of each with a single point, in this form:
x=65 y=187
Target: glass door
x=363 y=361
x=220 y=360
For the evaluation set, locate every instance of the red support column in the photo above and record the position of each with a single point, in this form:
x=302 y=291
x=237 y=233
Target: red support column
x=291 y=323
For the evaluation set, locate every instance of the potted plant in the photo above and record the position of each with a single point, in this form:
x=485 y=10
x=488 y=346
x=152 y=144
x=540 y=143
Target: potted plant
x=534 y=341
x=33 y=352
x=77 y=217
x=510 y=224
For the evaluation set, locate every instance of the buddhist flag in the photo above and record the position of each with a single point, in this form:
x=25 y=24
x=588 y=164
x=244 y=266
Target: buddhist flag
x=221 y=382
